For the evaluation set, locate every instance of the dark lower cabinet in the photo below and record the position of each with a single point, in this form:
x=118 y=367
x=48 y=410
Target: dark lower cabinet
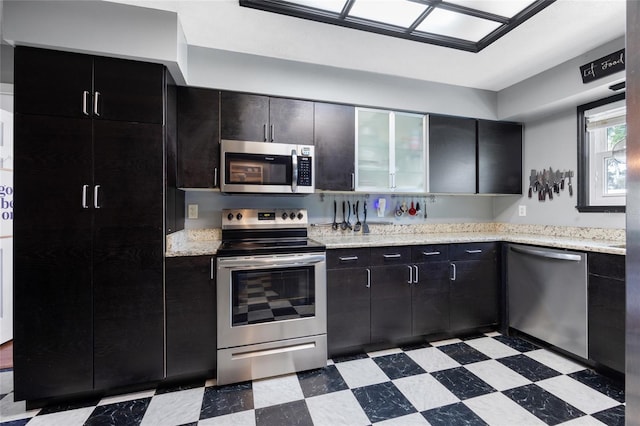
x=191 y=316
x=430 y=299
x=348 y=300
x=607 y=310
x=475 y=289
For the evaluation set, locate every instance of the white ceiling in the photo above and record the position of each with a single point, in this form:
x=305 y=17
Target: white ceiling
x=564 y=30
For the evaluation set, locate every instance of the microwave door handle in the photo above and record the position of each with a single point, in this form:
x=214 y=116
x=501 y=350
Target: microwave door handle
x=294 y=171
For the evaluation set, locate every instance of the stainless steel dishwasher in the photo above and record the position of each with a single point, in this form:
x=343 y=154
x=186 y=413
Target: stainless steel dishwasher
x=547 y=293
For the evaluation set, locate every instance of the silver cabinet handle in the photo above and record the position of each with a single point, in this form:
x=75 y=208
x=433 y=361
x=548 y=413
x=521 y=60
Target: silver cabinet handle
x=294 y=171
x=84 y=196
x=96 y=190
x=211 y=275
x=410 y=274
x=95 y=103
x=547 y=254
x=215 y=177
x=368 y=278
x=415 y=280
x=473 y=251
x=453 y=272
x=273 y=132
x=392 y=256
x=353 y=181
x=85 y=102
x=430 y=253
x=347 y=258
x=264 y=132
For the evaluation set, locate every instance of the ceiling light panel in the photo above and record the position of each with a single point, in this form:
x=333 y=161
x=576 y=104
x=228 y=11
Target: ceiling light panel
x=400 y=13
x=457 y=25
x=506 y=8
x=329 y=5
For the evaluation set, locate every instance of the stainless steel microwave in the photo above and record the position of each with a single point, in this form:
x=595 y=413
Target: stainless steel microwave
x=263 y=167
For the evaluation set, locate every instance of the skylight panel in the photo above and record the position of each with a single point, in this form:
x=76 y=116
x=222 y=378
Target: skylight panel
x=506 y=8
x=457 y=25
x=400 y=13
x=329 y=5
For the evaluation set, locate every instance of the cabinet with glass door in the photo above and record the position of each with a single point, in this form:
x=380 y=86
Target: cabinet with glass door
x=390 y=152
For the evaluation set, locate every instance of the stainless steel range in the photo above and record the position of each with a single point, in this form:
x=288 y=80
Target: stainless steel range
x=271 y=295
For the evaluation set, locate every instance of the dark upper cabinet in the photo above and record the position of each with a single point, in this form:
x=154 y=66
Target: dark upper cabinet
x=499 y=157
x=73 y=85
x=334 y=139
x=452 y=154
x=260 y=118
x=607 y=307
x=191 y=316
x=198 y=137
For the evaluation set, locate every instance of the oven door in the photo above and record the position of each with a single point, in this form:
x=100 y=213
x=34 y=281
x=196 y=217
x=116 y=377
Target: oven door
x=268 y=298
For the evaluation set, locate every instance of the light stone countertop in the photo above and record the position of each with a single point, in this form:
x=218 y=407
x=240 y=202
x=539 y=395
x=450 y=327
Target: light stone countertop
x=204 y=242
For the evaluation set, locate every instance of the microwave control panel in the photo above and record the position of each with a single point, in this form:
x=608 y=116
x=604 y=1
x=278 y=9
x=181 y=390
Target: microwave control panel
x=304 y=171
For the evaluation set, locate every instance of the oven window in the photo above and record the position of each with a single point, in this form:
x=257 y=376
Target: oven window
x=258 y=169
x=269 y=295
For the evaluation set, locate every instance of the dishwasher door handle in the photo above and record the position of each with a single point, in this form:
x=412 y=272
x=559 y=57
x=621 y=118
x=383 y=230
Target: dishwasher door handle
x=547 y=254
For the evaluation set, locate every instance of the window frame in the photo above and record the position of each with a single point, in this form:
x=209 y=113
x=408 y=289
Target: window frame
x=583 y=205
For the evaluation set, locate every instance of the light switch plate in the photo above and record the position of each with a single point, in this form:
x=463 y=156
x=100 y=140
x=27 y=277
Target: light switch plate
x=192 y=211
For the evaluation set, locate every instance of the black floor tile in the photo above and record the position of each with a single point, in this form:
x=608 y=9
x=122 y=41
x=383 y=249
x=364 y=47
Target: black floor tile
x=20 y=422
x=293 y=413
x=528 y=367
x=321 y=381
x=128 y=413
x=82 y=403
x=611 y=388
x=383 y=401
x=453 y=415
x=544 y=405
x=221 y=400
x=462 y=383
x=517 y=343
x=611 y=417
x=463 y=353
x=399 y=365
x=472 y=336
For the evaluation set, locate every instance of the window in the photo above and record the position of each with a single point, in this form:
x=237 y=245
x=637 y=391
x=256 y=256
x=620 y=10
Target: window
x=602 y=150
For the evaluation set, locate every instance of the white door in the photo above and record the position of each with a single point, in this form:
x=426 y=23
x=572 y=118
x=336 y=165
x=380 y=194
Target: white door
x=6 y=216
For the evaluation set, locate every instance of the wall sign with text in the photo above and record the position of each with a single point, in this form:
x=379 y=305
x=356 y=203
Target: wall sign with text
x=602 y=67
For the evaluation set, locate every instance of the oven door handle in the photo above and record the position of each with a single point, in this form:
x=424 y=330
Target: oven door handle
x=276 y=261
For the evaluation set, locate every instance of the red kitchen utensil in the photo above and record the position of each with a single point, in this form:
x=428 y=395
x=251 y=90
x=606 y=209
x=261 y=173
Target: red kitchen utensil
x=412 y=209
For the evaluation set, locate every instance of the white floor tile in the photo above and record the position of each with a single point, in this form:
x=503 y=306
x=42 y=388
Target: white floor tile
x=335 y=409
x=12 y=410
x=555 y=361
x=577 y=394
x=174 y=408
x=6 y=382
x=432 y=359
x=498 y=410
x=425 y=392
x=415 y=419
x=276 y=390
x=361 y=372
x=499 y=376
x=491 y=347
x=127 y=397
x=64 y=418
x=385 y=352
x=243 y=418
x=583 y=421
x=445 y=342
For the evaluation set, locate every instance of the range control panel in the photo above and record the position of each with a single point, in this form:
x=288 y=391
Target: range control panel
x=264 y=218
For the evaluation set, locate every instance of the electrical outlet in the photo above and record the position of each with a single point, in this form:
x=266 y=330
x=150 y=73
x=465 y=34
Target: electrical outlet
x=192 y=212
x=522 y=210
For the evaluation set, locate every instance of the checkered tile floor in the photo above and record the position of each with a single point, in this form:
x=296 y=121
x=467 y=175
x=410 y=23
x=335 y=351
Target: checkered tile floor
x=487 y=379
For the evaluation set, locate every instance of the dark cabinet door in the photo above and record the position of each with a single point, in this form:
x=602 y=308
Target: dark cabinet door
x=475 y=284
x=53 y=337
x=348 y=309
x=198 y=137
x=390 y=303
x=430 y=299
x=499 y=157
x=127 y=255
x=452 y=154
x=334 y=139
x=49 y=82
x=128 y=90
x=191 y=316
x=290 y=121
x=244 y=117
x=607 y=307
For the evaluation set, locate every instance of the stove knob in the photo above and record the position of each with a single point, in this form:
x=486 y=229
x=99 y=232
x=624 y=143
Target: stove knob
x=300 y=216
x=239 y=216
x=230 y=216
x=284 y=215
x=292 y=215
